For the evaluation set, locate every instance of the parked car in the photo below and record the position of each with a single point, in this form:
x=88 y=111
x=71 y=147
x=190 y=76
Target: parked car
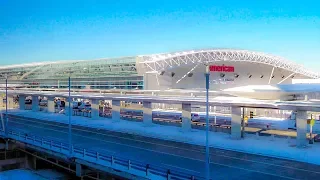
x=28 y=101
x=43 y=103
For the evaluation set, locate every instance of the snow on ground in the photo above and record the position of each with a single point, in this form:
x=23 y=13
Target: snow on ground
x=275 y=147
x=18 y=174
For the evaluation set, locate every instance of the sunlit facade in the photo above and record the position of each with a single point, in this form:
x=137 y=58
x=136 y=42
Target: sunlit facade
x=119 y=73
x=231 y=71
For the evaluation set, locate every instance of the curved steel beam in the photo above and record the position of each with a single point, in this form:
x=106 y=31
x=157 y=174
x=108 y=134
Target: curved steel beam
x=160 y=62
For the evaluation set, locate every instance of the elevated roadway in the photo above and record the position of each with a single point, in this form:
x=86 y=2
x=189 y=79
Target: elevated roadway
x=224 y=164
x=227 y=101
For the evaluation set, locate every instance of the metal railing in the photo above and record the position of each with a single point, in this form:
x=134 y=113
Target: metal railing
x=138 y=168
x=187 y=93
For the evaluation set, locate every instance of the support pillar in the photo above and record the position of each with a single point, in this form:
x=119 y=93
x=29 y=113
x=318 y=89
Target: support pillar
x=95 y=109
x=235 y=122
x=78 y=170
x=215 y=114
x=51 y=105
x=186 y=117
x=115 y=111
x=7 y=144
x=34 y=162
x=10 y=102
x=147 y=113
x=301 y=121
x=66 y=106
x=35 y=103
x=22 y=102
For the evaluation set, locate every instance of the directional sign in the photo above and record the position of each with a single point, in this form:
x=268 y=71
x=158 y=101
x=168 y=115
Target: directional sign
x=312 y=122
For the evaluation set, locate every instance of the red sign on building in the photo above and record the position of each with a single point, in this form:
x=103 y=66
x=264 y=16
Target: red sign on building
x=223 y=68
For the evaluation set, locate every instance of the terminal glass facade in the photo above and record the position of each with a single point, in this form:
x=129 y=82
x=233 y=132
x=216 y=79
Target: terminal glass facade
x=113 y=73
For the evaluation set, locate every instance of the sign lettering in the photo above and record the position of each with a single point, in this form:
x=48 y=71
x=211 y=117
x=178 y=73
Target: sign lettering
x=223 y=68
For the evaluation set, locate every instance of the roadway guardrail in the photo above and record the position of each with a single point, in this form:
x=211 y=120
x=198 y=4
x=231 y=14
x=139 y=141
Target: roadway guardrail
x=138 y=168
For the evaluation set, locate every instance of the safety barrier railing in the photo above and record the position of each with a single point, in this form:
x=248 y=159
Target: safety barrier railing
x=138 y=168
x=124 y=92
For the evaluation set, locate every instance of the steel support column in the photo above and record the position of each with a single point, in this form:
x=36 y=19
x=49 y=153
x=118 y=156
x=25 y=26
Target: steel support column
x=95 y=109
x=66 y=107
x=186 y=117
x=51 y=107
x=147 y=113
x=78 y=170
x=115 y=111
x=301 y=121
x=35 y=103
x=236 y=123
x=22 y=102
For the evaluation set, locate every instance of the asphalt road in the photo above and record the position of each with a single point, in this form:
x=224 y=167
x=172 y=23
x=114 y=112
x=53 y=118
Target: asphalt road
x=224 y=164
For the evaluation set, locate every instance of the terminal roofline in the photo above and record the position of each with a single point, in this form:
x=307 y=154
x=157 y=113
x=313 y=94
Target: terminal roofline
x=159 y=62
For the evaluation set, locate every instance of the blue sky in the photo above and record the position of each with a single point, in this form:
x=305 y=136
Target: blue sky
x=37 y=30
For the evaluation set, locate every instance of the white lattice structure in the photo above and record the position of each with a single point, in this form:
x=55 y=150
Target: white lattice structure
x=159 y=62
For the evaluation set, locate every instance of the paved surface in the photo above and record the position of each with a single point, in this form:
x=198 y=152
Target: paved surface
x=224 y=164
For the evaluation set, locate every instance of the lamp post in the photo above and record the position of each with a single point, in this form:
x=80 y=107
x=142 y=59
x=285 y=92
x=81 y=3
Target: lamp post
x=7 y=119
x=207 y=74
x=69 y=114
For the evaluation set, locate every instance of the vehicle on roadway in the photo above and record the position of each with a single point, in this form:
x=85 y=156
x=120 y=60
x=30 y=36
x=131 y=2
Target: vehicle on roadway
x=223 y=119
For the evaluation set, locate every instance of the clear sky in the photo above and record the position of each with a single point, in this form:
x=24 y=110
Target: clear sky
x=47 y=30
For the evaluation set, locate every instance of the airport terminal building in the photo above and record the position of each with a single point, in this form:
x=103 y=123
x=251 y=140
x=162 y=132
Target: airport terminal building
x=234 y=72
x=235 y=76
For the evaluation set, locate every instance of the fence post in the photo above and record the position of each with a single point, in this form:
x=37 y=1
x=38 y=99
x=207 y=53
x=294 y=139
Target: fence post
x=84 y=152
x=129 y=165
x=98 y=156
x=147 y=170
x=112 y=160
x=168 y=175
x=72 y=149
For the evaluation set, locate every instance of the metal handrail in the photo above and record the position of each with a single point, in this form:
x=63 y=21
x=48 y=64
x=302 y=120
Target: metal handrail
x=198 y=93
x=112 y=159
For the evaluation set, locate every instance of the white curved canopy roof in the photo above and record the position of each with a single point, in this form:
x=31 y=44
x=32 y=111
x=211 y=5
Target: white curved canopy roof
x=160 y=62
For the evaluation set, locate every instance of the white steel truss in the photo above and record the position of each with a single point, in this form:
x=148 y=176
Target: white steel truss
x=161 y=62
